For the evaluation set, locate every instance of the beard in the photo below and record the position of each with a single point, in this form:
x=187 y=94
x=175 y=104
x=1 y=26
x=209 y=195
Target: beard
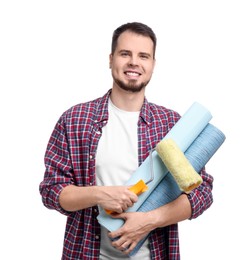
x=131 y=86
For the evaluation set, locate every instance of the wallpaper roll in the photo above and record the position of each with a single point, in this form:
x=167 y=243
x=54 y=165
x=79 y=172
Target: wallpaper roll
x=198 y=154
x=184 y=132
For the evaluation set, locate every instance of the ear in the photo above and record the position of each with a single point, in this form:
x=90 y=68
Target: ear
x=154 y=64
x=110 y=60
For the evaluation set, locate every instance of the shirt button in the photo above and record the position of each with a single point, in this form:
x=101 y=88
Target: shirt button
x=90 y=183
x=90 y=156
x=96 y=237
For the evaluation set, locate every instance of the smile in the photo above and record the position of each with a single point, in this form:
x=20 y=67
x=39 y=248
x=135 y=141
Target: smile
x=132 y=74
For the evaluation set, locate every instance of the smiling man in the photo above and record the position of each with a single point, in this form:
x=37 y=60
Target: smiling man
x=132 y=62
x=94 y=149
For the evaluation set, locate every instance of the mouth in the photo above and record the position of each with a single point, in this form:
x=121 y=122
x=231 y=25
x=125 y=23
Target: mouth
x=132 y=74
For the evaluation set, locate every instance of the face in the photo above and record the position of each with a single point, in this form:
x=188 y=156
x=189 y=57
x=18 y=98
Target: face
x=132 y=63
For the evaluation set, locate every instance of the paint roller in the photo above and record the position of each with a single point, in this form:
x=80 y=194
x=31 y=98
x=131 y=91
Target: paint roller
x=177 y=164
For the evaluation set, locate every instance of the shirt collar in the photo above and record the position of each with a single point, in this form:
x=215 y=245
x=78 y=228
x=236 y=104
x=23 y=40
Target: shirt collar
x=102 y=108
x=102 y=115
x=145 y=112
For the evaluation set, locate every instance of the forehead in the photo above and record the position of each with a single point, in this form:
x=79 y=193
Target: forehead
x=134 y=42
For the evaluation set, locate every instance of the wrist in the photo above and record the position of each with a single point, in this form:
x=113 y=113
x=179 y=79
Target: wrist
x=153 y=219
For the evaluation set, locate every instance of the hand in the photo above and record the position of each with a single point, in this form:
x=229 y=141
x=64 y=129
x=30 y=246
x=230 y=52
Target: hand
x=116 y=198
x=137 y=226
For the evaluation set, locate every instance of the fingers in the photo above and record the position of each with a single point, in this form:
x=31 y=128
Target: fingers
x=117 y=199
x=122 y=208
x=129 y=248
x=127 y=205
x=124 y=203
x=125 y=247
x=133 y=197
x=121 y=245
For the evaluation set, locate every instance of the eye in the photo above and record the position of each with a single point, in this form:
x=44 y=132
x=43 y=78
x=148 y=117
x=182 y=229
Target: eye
x=124 y=53
x=144 y=56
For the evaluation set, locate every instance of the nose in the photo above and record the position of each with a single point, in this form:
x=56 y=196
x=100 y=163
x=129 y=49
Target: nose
x=133 y=61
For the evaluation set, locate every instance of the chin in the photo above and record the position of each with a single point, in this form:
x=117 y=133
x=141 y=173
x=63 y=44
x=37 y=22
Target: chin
x=131 y=87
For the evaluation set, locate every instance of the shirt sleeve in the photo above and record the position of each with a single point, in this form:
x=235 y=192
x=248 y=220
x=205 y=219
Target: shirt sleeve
x=58 y=169
x=201 y=198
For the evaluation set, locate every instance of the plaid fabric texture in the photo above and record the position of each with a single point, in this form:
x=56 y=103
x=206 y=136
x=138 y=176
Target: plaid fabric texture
x=70 y=159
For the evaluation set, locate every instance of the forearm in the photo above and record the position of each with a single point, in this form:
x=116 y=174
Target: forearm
x=185 y=206
x=115 y=198
x=73 y=198
x=171 y=213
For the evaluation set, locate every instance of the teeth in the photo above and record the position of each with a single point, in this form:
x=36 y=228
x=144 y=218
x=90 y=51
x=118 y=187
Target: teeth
x=132 y=74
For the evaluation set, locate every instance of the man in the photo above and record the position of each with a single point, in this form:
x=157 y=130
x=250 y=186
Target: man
x=97 y=145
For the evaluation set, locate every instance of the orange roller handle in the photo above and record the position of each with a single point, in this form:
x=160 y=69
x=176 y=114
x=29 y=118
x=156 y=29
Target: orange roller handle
x=137 y=188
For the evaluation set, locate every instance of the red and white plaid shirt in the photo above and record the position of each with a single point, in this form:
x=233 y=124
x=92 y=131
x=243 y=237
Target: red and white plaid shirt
x=70 y=159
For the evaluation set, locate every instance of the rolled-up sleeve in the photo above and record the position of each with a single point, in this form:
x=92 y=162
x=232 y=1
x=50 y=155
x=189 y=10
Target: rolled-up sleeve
x=58 y=169
x=201 y=198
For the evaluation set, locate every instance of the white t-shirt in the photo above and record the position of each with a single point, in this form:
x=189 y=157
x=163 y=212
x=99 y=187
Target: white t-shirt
x=116 y=160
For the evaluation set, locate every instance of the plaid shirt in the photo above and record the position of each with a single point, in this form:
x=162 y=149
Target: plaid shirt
x=70 y=159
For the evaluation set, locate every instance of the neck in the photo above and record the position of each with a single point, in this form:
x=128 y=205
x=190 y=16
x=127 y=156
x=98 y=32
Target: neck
x=126 y=100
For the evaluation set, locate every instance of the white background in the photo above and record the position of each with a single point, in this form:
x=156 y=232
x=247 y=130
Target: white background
x=54 y=54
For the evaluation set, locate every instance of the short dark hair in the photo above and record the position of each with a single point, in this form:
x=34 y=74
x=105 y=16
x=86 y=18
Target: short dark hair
x=135 y=27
